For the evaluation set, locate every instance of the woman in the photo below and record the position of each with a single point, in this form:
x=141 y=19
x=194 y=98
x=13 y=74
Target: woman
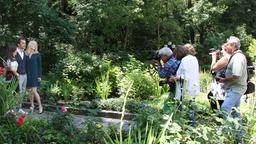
x=34 y=73
x=187 y=78
x=218 y=66
x=187 y=75
x=11 y=63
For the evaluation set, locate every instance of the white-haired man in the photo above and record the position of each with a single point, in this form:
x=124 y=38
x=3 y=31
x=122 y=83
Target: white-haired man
x=167 y=69
x=170 y=64
x=235 y=81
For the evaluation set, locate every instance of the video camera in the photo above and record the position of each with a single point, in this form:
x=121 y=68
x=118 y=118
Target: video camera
x=217 y=51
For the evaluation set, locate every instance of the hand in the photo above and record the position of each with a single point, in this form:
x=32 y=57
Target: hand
x=39 y=79
x=156 y=61
x=214 y=55
x=221 y=79
x=171 y=79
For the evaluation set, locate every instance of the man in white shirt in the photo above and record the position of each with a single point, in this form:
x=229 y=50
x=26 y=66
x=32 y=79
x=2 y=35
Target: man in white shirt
x=21 y=59
x=235 y=81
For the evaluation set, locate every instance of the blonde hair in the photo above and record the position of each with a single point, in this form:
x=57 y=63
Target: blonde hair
x=30 y=46
x=191 y=49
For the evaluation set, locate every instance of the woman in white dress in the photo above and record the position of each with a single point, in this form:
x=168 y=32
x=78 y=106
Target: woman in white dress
x=11 y=63
x=187 y=78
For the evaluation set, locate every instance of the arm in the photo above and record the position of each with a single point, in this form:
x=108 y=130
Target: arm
x=231 y=78
x=238 y=67
x=13 y=68
x=162 y=71
x=39 y=66
x=218 y=65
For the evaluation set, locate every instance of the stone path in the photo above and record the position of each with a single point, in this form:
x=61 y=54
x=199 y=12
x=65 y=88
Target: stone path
x=80 y=120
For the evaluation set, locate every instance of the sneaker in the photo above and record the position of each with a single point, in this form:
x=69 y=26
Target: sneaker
x=22 y=111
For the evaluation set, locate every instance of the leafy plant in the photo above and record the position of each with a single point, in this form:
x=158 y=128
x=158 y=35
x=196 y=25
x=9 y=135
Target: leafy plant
x=144 y=86
x=8 y=96
x=103 y=84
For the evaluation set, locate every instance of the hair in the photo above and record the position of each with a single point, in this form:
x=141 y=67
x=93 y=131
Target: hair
x=180 y=51
x=165 y=51
x=11 y=48
x=191 y=49
x=29 y=48
x=234 y=40
x=20 y=39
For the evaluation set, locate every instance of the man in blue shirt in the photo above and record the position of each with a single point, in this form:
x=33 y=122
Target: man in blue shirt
x=167 y=67
x=170 y=64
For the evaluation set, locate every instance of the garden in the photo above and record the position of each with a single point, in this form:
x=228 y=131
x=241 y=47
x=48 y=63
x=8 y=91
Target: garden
x=97 y=59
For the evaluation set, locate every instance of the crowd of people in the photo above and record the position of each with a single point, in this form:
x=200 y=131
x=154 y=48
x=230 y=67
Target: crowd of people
x=24 y=65
x=180 y=67
x=229 y=67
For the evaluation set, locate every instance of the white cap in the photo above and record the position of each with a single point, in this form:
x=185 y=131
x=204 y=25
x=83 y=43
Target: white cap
x=165 y=51
x=235 y=40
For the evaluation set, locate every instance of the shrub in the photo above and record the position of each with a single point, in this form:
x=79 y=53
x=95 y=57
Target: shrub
x=143 y=87
x=205 y=80
x=8 y=96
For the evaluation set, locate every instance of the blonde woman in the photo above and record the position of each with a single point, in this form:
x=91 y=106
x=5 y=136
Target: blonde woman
x=34 y=73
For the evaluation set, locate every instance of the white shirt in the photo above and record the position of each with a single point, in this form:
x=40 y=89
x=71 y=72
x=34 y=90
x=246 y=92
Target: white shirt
x=21 y=52
x=13 y=65
x=189 y=72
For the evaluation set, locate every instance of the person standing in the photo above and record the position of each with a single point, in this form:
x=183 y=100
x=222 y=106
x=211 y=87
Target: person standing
x=235 y=81
x=187 y=78
x=11 y=64
x=34 y=73
x=21 y=59
x=220 y=60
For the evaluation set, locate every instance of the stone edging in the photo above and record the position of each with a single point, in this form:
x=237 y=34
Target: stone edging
x=83 y=111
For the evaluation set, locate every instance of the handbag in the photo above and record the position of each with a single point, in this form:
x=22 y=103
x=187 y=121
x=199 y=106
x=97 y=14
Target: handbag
x=250 y=88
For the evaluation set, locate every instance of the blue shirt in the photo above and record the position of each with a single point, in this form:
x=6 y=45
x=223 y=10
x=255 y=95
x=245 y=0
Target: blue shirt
x=169 y=68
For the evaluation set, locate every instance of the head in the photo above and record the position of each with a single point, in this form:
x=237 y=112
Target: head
x=11 y=51
x=22 y=43
x=32 y=47
x=233 y=44
x=165 y=53
x=191 y=49
x=180 y=52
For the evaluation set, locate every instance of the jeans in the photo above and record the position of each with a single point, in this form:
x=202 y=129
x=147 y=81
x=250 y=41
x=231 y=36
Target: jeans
x=22 y=87
x=232 y=100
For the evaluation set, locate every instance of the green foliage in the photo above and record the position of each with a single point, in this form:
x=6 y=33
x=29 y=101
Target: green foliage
x=8 y=96
x=205 y=81
x=252 y=50
x=103 y=85
x=144 y=85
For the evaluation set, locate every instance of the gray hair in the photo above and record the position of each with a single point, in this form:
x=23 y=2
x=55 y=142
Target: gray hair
x=165 y=51
x=235 y=40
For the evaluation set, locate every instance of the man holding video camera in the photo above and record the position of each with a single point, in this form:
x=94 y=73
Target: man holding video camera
x=235 y=80
x=167 y=66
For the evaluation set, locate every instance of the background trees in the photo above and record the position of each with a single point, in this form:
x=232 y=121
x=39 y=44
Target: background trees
x=130 y=26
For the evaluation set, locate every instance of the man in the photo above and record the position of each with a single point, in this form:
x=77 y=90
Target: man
x=170 y=64
x=21 y=59
x=167 y=67
x=235 y=81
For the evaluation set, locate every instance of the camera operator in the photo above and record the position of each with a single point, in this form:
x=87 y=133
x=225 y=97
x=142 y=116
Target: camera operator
x=235 y=81
x=168 y=66
x=219 y=62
